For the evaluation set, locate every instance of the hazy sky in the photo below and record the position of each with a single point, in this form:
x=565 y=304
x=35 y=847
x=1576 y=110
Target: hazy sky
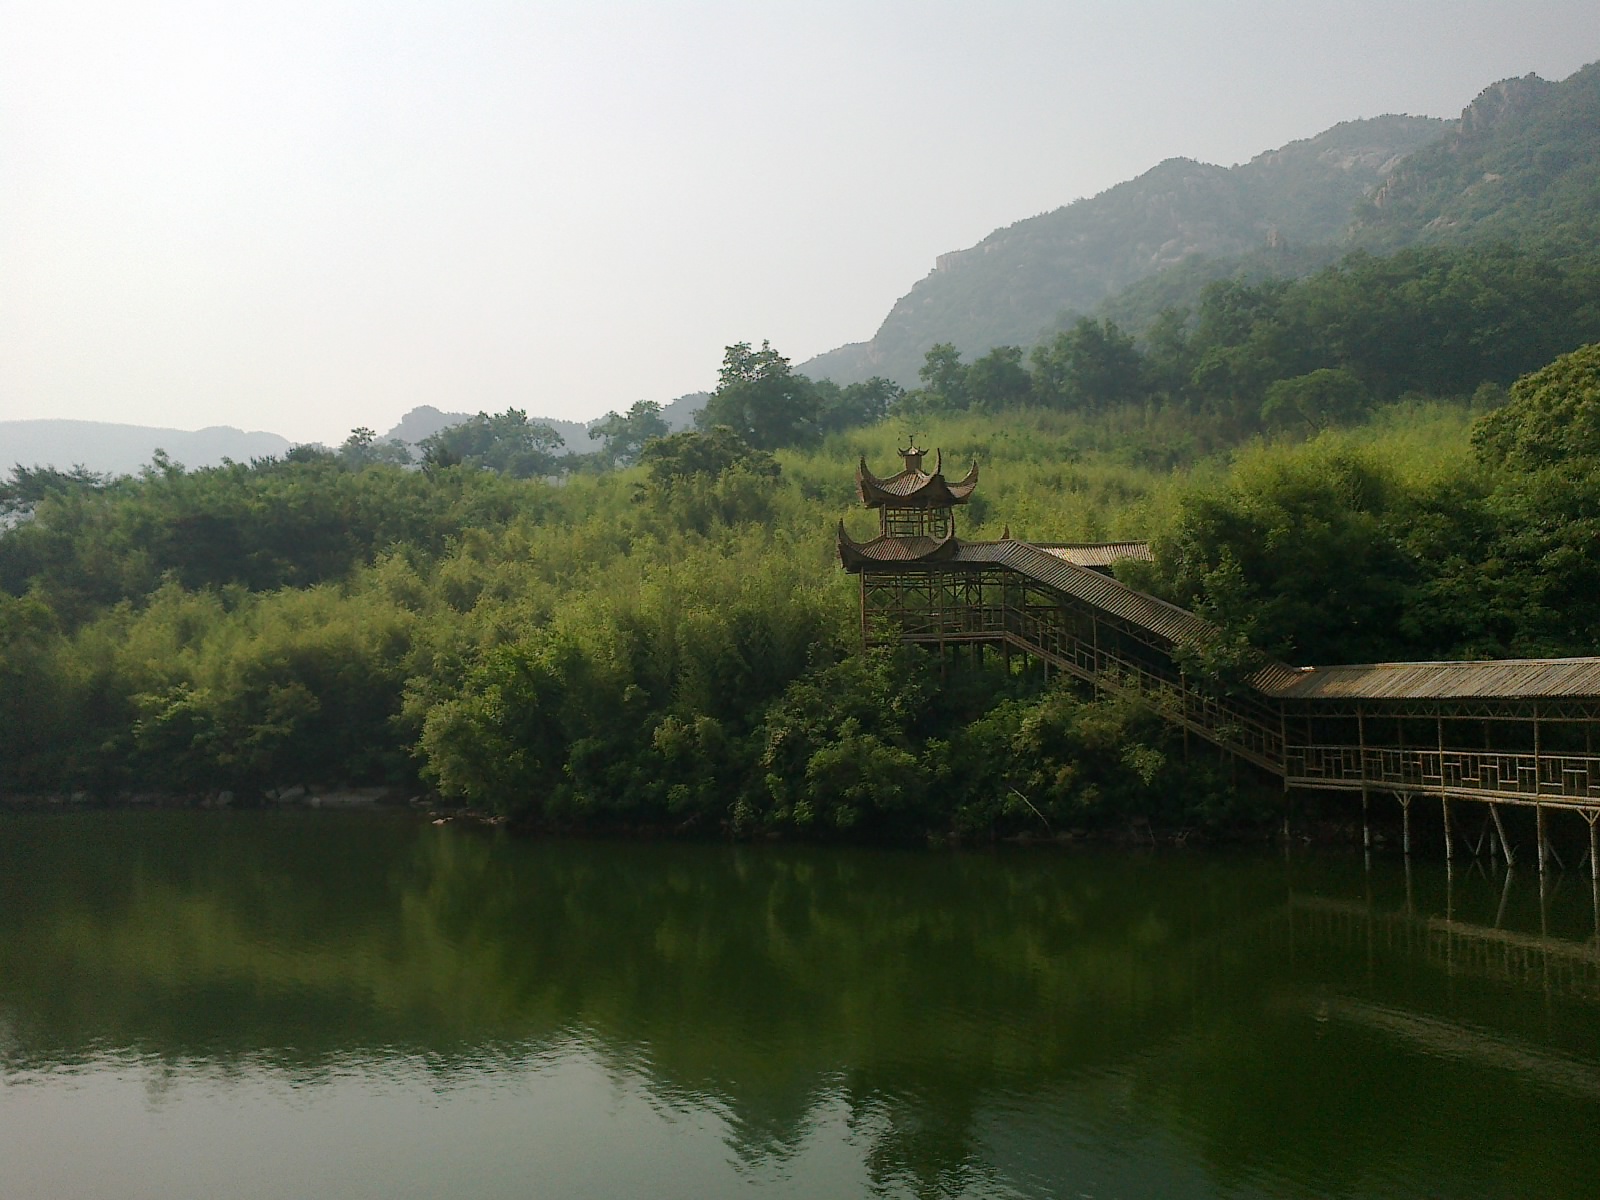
x=306 y=216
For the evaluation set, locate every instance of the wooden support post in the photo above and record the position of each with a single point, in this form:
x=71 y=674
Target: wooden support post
x=1438 y=722
x=1449 y=831
x=1544 y=846
x=1361 y=750
x=1590 y=815
x=1505 y=843
x=1538 y=761
x=1366 y=824
x=1405 y=824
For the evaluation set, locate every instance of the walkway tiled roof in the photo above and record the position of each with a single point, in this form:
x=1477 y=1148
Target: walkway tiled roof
x=1493 y=679
x=1177 y=625
x=1098 y=554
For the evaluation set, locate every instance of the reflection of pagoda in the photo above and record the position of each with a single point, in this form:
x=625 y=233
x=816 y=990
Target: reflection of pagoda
x=916 y=519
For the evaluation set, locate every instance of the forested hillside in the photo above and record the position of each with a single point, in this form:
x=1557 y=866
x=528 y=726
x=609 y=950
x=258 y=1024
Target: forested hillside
x=1520 y=166
x=672 y=646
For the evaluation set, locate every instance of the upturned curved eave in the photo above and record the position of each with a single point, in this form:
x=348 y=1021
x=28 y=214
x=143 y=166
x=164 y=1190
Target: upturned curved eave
x=913 y=489
x=887 y=551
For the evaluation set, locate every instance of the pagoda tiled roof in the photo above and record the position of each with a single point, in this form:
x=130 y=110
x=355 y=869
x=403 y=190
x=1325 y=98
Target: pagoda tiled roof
x=856 y=555
x=914 y=488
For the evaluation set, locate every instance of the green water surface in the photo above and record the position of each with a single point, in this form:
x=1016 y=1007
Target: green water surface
x=365 y=1005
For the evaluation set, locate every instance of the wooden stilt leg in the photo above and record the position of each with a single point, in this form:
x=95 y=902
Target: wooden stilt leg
x=1590 y=815
x=1505 y=844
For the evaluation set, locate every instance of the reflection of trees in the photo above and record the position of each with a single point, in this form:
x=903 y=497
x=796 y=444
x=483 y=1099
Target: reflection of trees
x=917 y=994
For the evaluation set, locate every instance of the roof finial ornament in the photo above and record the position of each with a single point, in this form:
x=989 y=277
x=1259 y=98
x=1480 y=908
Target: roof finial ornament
x=912 y=455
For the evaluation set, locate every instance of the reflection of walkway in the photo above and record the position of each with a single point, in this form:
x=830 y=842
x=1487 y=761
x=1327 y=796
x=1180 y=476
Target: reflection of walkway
x=1557 y=966
x=1465 y=1043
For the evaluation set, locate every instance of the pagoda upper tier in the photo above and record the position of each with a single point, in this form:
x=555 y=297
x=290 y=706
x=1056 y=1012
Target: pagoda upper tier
x=913 y=487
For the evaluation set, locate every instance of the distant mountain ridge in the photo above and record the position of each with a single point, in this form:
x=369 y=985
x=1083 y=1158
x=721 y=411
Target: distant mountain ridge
x=425 y=421
x=1522 y=161
x=108 y=448
x=122 y=449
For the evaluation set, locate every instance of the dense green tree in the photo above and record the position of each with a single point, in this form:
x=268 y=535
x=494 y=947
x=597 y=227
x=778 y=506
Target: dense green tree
x=998 y=380
x=837 y=748
x=856 y=404
x=1092 y=366
x=29 y=485
x=1553 y=416
x=708 y=454
x=944 y=380
x=625 y=434
x=362 y=449
x=1296 y=552
x=706 y=477
x=506 y=442
x=761 y=399
x=1315 y=401
x=35 y=717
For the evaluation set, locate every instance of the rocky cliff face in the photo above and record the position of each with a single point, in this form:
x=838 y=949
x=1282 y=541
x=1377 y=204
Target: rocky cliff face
x=1508 y=100
x=1523 y=162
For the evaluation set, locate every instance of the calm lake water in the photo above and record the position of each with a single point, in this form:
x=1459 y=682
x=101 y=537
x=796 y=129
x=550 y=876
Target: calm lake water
x=326 y=1005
